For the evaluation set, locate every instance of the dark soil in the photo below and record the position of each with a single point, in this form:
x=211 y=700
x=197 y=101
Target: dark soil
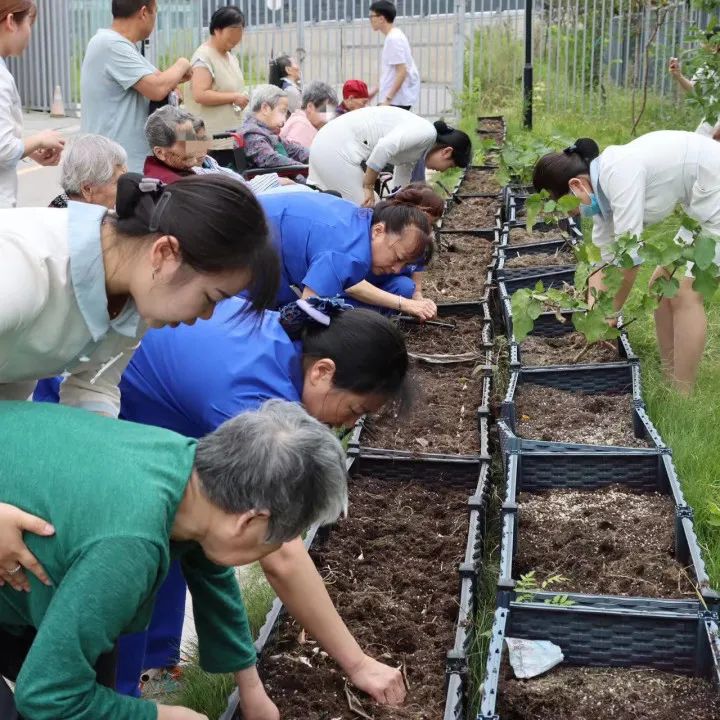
x=520 y=236
x=471 y=214
x=443 y=419
x=478 y=182
x=497 y=136
x=490 y=126
x=607 y=541
x=584 y=693
x=539 y=259
x=545 y=413
x=458 y=269
x=434 y=340
x=391 y=570
x=564 y=350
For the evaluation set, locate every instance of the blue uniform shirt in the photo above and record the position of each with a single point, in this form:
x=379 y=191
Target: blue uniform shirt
x=324 y=242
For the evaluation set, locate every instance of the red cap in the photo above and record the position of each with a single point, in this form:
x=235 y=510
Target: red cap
x=355 y=89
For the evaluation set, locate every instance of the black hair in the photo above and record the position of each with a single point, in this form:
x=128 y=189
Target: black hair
x=398 y=216
x=217 y=221
x=384 y=8
x=554 y=171
x=122 y=9
x=228 y=16
x=367 y=348
x=278 y=70
x=456 y=139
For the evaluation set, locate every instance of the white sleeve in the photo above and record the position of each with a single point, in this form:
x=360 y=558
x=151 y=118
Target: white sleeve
x=394 y=51
x=12 y=148
x=412 y=139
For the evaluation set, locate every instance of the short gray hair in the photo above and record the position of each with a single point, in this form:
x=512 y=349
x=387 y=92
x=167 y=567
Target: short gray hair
x=278 y=459
x=319 y=93
x=89 y=160
x=161 y=128
x=270 y=94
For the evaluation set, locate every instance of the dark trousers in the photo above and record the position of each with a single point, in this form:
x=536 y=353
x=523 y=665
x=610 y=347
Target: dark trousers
x=14 y=650
x=403 y=107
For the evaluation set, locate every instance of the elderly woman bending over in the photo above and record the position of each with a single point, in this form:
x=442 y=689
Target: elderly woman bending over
x=89 y=171
x=261 y=129
x=229 y=499
x=180 y=144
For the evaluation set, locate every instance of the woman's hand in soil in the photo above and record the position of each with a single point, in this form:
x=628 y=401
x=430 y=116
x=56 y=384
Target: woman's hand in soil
x=14 y=555
x=422 y=309
x=382 y=683
x=254 y=701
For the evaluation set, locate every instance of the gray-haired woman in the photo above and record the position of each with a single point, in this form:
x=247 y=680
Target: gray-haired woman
x=228 y=499
x=263 y=148
x=319 y=103
x=89 y=171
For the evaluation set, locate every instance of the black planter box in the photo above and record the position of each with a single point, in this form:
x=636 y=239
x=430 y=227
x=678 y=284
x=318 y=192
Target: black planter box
x=673 y=636
x=550 y=276
x=521 y=475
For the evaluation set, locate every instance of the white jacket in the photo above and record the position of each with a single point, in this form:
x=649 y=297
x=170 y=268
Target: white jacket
x=378 y=136
x=11 y=144
x=53 y=308
x=640 y=183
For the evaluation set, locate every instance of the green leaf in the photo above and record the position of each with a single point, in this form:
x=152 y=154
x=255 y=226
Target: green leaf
x=593 y=325
x=582 y=273
x=568 y=203
x=704 y=251
x=706 y=282
x=666 y=287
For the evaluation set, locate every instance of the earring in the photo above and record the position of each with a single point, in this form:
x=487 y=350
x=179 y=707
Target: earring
x=155 y=272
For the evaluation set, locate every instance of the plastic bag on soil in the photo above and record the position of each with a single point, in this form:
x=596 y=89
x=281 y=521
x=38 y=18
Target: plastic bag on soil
x=529 y=658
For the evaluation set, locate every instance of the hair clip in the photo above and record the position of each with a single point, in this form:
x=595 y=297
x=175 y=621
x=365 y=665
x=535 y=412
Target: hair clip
x=295 y=316
x=150 y=185
x=571 y=149
x=159 y=211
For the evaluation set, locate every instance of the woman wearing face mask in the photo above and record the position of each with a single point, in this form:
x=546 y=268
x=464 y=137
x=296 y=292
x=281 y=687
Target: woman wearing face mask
x=81 y=285
x=16 y=20
x=349 y=153
x=89 y=172
x=329 y=246
x=628 y=187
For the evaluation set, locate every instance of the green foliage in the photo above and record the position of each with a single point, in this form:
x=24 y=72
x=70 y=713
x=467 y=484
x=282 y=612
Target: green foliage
x=527 y=587
x=518 y=156
x=541 y=206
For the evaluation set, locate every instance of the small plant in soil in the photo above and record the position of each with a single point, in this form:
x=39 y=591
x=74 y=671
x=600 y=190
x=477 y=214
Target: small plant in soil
x=471 y=214
x=567 y=349
x=391 y=570
x=479 y=182
x=553 y=259
x=486 y=151
x=527 y=587
x=458 y=269
x=606 y=541
x=541 y=207
x=443 y=419
x=548 y=414
x=466 y=337
x=593 y=693
x=519 y=155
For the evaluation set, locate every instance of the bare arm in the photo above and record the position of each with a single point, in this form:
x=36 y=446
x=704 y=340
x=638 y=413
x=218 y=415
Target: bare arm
x=400 y=75
x=680 y=79
x=158 y=85
x=367 y=292
x=203 y=94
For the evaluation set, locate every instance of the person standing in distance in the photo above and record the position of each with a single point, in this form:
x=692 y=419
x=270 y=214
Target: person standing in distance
x=118 y=83
x=399 y=76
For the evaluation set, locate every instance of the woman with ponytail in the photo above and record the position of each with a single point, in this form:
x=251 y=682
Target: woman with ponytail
x=349 y=153
x=629 y=187
x=340 y=363
x=80 y=286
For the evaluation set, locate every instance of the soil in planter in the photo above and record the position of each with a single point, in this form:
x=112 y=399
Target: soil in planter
x=585 y=693
x=539 y=259
x=490 y=125
x=545 y=413
x=520 y=236
x=391 y=570
x=434 y=340
x=564 y=349
x=443 y=419
x=458 y=269
x=478 y=182
x=471 y=214
x=606 y=541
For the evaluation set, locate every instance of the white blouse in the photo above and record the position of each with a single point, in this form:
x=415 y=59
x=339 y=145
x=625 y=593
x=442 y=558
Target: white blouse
x=53 y=308
x=12 y=147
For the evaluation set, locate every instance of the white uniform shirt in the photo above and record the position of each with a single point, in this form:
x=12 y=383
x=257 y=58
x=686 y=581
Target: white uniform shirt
x=396 y=51
x=640 y=183
x=378 y=136
x=12 y=147
x=53 y=308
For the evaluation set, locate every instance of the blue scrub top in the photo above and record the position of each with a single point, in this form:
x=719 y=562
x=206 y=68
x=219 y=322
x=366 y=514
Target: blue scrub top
x=323 y=240
x=191 y=379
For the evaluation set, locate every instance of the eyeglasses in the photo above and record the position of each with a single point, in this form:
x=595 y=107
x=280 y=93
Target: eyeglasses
x=374 y=15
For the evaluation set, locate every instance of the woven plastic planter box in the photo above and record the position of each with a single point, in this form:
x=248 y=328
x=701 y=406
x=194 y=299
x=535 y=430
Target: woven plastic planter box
x=550 y=276
x=662 y=479
x=467 y=474
x=671 y=636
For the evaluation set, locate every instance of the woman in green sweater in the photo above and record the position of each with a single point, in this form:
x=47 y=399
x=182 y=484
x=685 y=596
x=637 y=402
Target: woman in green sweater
x=125 y=500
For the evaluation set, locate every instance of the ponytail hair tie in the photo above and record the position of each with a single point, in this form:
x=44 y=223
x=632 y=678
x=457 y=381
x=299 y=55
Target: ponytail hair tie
x=571 y=149
x=307 y=312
